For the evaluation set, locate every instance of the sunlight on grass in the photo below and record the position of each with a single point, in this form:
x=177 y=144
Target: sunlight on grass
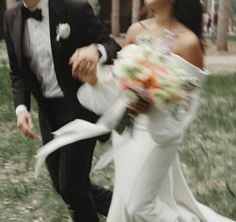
x=208 y=157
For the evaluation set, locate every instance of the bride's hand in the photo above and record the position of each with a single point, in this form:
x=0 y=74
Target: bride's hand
x=84 y=64
x=91 y=77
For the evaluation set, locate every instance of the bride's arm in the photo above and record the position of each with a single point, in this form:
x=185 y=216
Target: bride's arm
x=100 y=93
x=134 y=31
x=167 y=126
x=101 y=96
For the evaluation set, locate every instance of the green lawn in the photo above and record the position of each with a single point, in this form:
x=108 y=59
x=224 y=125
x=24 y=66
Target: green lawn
x=208 y=156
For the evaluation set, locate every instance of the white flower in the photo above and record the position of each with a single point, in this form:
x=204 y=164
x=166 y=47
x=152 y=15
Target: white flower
x=63 y=31
x=123 y=66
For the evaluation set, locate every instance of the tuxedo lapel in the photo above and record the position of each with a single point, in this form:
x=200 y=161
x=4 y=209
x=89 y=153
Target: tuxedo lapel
x=57 y=15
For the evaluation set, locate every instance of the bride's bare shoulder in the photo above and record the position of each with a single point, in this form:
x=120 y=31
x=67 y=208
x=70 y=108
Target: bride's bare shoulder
x=136 y=29
x=189 y=46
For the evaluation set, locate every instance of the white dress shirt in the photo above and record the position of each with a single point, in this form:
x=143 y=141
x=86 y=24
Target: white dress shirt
x=37 y=49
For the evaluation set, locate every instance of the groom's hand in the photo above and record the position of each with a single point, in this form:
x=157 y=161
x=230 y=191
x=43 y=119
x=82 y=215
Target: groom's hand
x=84 y=63
x=25 y=124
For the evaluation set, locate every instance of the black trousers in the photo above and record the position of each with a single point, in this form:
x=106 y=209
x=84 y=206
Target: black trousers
x=69 y=167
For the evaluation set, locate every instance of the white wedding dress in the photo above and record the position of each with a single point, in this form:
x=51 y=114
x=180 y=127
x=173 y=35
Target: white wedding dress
x=149 y=185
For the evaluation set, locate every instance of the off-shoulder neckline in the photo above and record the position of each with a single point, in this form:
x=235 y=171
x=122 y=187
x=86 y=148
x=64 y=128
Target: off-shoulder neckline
x=203 y=71
x=195 y=68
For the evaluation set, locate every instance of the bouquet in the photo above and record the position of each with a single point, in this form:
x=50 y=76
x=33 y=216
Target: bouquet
x=148 y=77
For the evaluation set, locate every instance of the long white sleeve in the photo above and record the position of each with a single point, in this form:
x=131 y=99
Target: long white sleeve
x=101 y=96
x=168 y=126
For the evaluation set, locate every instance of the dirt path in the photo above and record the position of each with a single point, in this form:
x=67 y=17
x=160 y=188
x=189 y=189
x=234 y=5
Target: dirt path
x=221 y=63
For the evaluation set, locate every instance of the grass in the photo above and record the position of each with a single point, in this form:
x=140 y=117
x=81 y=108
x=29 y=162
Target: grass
x=208 y=157
x=208 y=152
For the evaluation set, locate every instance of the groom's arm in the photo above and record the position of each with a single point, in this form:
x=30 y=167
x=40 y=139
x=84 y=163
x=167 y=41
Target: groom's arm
x=95 y=32
x=96 y=39
x=89 y=28
x=21 y=95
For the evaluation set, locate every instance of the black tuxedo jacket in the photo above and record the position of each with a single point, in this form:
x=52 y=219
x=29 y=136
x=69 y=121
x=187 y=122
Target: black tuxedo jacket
x=85 y=29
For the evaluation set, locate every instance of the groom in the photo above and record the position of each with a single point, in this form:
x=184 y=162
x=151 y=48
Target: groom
x=41 y=37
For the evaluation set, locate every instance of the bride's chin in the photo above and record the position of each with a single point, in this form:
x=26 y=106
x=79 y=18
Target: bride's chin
x=155 y=4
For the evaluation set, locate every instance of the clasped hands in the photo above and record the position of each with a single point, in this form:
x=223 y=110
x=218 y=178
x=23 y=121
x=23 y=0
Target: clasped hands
x=84 y=64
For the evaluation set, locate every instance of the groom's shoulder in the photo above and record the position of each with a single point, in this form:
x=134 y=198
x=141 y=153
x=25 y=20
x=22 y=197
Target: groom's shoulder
x=76 y=4
x=9 y=13
x=76 y=8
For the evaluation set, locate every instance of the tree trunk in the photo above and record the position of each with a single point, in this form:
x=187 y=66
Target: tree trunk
x=207 y=5
x=223 y=25
x=2 y=9
x=115 y=17
x=136 y=8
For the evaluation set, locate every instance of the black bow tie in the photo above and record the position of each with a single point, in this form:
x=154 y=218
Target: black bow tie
x=36 y=14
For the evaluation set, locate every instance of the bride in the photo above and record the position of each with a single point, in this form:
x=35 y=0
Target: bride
x=149 y=184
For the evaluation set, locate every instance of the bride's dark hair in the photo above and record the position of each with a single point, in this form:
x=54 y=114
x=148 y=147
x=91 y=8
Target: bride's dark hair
x=190 y=13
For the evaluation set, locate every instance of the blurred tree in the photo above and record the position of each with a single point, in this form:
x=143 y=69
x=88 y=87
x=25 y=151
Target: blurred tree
x=136 y=8
x=233 y=16
x=223 y=25
x=233 y=5
x=2 y=9
x=115 y=20
x=125 y=15
x=206 y=4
